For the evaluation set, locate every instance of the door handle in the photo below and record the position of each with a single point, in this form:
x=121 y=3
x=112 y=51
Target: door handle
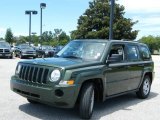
x=141 y=65
x=109 y=69
x=128 y=66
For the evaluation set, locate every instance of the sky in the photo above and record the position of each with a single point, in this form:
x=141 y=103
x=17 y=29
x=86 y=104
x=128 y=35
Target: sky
x=64 y=14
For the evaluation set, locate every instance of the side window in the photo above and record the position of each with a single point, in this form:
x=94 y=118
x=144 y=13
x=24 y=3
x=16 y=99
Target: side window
x=145 y=53
x=132 y=53
x=116 y=54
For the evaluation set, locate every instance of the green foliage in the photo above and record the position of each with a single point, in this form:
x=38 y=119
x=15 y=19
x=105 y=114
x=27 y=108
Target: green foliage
x=57 y=32
x=1 y=39
x=94 y=23
x=152 y=42
x=58 y=37
x=9 y=36
x=47 y=36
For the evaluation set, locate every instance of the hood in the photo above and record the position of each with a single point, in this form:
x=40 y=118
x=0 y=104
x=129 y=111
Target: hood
x=5 y=48
x=27 y=49
x=63 y=62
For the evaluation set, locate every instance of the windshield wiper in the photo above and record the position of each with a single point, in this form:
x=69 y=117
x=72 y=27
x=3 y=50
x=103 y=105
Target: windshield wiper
x=71 y=56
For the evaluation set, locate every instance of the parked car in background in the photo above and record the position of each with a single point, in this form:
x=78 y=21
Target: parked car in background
x=5 y=50
x=57 y=49
x=45 y=51
x=24 y=50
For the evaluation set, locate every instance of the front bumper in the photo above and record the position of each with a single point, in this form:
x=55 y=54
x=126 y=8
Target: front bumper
x=29 y=55
x=5 y=54
x=46 y=94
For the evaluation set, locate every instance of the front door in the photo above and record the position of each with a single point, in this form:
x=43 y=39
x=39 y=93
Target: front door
x=116 y=73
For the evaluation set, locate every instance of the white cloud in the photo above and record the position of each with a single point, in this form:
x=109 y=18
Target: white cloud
x=148 y=20
x=147 y=12
x=19 y=34
x=141 y=5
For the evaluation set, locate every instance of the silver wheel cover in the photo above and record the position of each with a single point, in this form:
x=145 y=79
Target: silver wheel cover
x=146 y=86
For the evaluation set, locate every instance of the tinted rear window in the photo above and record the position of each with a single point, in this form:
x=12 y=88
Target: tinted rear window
x=145 y=53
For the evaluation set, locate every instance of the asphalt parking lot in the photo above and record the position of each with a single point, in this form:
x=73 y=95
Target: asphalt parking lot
x=127 y=107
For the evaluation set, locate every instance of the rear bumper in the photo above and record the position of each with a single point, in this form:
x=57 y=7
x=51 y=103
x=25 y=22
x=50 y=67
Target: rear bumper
x=46 y=95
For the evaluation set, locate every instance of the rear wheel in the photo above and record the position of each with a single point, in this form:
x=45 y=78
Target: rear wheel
x=87 y=101
x=144 y=90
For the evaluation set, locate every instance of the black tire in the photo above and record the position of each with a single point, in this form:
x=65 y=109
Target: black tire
x=20 y=56
x=145 y=88
x=86 y=101
x=31 y=101
x=43 y=56
x=16 y=55
x=11 y=57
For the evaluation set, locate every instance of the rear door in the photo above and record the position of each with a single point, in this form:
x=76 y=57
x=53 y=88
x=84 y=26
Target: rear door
x=135 y=66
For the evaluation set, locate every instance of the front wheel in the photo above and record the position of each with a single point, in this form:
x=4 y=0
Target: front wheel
x=144 y=90
x=20 y=56
x=87 y=101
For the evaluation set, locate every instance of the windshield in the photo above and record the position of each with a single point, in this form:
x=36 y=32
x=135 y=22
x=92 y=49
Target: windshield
x=25 y=47
x=87 y=50
x=47 y=48
x=4 y=44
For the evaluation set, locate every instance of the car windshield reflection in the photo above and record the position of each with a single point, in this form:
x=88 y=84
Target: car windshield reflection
x=4 y=44
x=87 y=50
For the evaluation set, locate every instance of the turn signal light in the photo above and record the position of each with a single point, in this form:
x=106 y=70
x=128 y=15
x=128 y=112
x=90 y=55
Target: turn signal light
x=70 y=82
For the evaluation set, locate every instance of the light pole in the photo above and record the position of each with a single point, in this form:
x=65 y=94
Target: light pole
x=32 y=37
x=112 y=2
x=29 y=12
x=42 y=6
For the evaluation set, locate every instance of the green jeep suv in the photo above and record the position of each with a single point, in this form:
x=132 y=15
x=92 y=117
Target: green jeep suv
x=85 y=71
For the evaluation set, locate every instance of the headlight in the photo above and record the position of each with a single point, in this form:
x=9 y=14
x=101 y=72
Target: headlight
x=55 y=75
x=18 y=69
x=23 y=51
x=46 y=52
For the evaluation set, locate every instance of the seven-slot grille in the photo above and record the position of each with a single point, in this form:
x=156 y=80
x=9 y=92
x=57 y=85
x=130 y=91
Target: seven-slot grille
x=34 y=74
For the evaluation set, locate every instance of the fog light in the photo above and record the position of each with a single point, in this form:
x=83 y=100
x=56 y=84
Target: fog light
x=59 y=93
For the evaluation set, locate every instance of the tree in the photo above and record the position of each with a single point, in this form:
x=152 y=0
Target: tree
x=47 y=36
x=63 y=36
x=1 y=39
x=152 y=42
x=57 y=37
x=94 y=23
x=9 y=36
x=57 y=32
